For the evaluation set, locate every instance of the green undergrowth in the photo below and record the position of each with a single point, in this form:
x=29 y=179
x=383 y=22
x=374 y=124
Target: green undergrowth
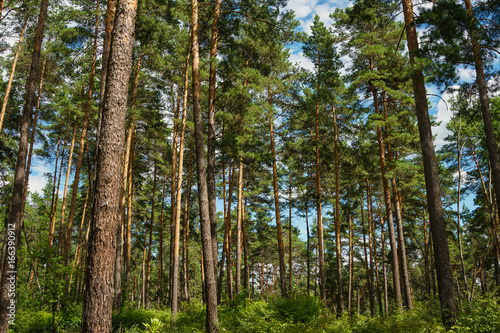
x=299 y=313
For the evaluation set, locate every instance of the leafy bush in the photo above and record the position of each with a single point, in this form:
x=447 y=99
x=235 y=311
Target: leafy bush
x=133 y=318
x=299 y=308
x=33 y=322
x=481 y=316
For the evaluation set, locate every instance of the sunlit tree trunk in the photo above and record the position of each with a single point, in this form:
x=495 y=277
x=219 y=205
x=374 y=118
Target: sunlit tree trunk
x=99 y=273
x=212 y=322
x=447 y=295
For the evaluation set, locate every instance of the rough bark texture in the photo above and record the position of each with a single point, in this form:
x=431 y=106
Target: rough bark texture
x=14 y=225
x=212 y=321
x=447 y=295
x=99 y=273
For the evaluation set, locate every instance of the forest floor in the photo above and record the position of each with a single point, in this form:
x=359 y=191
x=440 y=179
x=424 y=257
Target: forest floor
x=302 y=314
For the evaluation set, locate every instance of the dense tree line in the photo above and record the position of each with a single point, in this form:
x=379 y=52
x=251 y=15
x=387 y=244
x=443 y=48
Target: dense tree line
x=186 y=149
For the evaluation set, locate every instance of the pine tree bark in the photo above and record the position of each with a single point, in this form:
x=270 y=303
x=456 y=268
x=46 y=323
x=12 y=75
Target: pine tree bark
x=238 y=226
x=321 y=252
x=12 y=71
x=338 y=241
x=14 y=225
x=212 y=321
x=178 y=198
x=447 y=295
x=99 y=273
x=281 y=245
x=52 y=225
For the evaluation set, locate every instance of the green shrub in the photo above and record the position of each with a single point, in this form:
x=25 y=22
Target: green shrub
x=299 y=308
x=133 y=318
x=481 y=316
x=33 y=322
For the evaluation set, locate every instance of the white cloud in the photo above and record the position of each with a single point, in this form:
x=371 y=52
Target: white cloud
x=467 y=74
x=444 y=115
x=298 y=57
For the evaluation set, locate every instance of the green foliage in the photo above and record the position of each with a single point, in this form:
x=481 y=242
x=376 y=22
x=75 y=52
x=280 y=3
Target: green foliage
x=154 y=326
x=481 y=316
x=299 y=308
x=33 y=322
x=133 y=318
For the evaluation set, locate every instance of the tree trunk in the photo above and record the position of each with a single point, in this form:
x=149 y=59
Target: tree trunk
x=99 y=273
x=388 y=208
x=399 y=221
x=308 y=246
x=178 y=198
x=14 y=225
x=83 y=138
x=109 y=24
x=212 y=322
x=338 y=241
x=212 y=196
x=290 y=261
x=147 y=302
x=491 y=141
x=126 y=202
x=281 y=245
x=368 y=263
x=185 y=235
x=12 y=71
x=66 y=183
x=447 y=295
x=238 y=226
x=52 y=225
x=227 y=235
x=351 y=275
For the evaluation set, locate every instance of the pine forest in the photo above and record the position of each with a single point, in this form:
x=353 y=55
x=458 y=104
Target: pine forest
x=249 y=166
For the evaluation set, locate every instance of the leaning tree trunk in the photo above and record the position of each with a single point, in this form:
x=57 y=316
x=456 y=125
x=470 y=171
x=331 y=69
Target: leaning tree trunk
x=447 y=295
x=212 y=321
x=98 y=296
x=14 y=225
